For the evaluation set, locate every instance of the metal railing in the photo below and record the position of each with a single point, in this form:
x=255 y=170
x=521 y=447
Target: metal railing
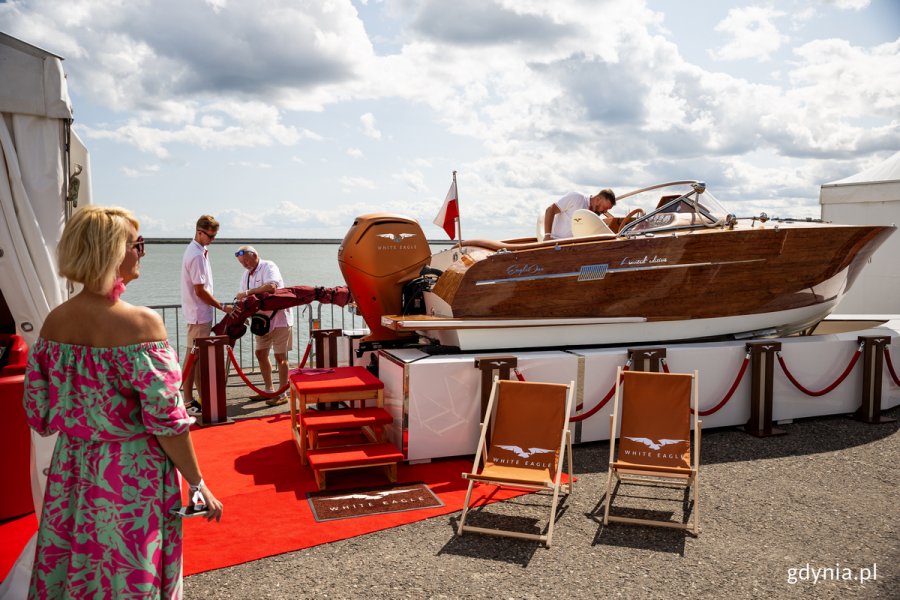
x=311 y=316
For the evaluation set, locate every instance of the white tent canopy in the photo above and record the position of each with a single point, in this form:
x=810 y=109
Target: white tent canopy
x=35 y=171
x=870 y=197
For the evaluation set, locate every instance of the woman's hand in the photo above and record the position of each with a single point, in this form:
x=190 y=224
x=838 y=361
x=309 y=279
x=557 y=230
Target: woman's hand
x=213 y=506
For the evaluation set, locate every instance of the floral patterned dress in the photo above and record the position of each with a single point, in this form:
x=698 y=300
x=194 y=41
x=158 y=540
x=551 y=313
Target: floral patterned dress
x=106 y=529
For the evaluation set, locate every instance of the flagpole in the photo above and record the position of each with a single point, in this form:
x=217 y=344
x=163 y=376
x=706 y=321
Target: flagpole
x=458 y=224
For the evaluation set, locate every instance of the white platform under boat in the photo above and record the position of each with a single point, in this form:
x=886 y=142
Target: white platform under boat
x=483 y=334
x=435 y=400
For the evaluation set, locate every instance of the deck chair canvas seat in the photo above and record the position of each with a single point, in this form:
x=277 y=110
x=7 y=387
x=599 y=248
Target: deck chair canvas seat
x=524 y=439
x=655 y=444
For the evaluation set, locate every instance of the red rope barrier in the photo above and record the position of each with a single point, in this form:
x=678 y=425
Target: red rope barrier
x=824 y=391
x=890 y=365
x=734 y=386
x=306 y=354
x=600 y=405
x=249 y=383
x=583 y=416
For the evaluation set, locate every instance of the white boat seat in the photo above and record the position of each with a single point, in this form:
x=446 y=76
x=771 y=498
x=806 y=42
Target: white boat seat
x=586 y=223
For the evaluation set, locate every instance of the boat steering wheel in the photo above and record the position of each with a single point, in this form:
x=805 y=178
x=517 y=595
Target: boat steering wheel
x=632 y=216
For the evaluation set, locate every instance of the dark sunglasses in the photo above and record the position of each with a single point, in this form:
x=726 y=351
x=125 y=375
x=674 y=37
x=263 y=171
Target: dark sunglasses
x=138 y=244
x=243 y=252
x=211 y=236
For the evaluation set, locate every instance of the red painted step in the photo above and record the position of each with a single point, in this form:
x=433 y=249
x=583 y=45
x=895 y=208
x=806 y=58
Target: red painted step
x=345 y=418
x=353 y=456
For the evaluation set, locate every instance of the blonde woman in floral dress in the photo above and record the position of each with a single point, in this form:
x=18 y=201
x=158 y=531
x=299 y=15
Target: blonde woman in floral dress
x=103 y=376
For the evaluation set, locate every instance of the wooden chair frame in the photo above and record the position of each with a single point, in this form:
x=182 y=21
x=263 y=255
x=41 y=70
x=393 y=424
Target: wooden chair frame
x=654 y=476
x=555 y=486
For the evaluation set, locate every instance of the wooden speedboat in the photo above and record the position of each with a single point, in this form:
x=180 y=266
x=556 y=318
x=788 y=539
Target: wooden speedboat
x=678 y=266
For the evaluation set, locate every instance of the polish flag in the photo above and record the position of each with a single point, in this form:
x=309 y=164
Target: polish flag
x=449 y=213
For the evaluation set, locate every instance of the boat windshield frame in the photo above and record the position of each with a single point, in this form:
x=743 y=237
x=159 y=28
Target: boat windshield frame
x=701 y=201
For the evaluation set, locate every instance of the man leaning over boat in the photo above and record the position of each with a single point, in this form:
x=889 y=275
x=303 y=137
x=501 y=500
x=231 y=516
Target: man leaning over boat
x=558 y=216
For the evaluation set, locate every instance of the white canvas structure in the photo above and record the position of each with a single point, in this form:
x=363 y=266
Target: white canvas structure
x=871 y=197
x=35 y=171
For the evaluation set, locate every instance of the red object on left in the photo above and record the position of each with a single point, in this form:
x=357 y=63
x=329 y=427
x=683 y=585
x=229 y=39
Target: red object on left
x=15 y=442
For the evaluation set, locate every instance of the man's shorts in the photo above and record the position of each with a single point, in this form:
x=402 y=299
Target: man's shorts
x=279 y=340
x=197 y=330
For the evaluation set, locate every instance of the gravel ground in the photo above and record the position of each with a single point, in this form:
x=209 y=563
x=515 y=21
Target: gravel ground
x=822 y=496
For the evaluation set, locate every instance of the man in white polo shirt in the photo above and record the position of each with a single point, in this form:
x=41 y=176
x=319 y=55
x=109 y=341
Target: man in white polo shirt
x=197 y=300
x=263 y=276
x=558 y=216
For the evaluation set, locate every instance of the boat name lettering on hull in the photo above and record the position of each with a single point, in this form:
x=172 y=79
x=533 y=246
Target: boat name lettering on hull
x=399 y=247
x=526 y=269
x=646 y=260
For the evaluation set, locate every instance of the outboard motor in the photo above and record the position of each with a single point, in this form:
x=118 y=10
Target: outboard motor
x=414 y=292
x=379 y=255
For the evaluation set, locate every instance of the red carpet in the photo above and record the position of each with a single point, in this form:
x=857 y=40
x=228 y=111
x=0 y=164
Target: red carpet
x=254 y=469
x=14 y=534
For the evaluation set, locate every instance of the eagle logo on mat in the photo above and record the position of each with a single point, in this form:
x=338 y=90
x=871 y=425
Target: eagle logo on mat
x=396 y=237
x=524 y=453
x=654 y=445
x=373 y=496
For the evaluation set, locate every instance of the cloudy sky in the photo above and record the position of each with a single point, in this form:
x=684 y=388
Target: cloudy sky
x=287 y=118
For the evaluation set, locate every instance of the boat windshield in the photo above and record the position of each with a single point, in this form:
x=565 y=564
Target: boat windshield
x=668 y=206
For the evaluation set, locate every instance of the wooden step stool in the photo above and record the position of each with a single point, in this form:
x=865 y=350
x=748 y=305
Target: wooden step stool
x=340 y=385
x=324 y=460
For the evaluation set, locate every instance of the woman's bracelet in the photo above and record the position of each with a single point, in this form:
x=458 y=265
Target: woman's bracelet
x=193 y=487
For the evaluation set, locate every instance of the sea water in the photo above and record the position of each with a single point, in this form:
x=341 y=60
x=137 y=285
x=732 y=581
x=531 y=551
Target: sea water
x=313 y=264
x=300 y=264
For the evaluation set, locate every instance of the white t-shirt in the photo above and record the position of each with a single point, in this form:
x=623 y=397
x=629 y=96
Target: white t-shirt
x=568 y=204
x=267 y=272
x=195 y=269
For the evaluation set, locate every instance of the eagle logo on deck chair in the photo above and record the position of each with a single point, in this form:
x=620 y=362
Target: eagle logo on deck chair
x=654 y=445
x=373 y=496
x=524 y=453
x=396 y=237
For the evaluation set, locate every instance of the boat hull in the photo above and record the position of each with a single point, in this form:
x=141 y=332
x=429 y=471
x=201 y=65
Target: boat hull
x=707 y=284
x=698 y=275
x=470 y=334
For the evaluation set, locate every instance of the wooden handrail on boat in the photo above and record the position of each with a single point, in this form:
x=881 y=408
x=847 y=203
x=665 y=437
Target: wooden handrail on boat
x=515 y=244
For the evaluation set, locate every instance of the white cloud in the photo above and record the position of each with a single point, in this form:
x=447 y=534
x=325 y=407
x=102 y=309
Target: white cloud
x=754 y=34
x=246 y=164
x=414 y=180
x=217 y=5
x=140 y=171
x=369 y=129
x=849 y=4
x=225 y=124
x=349 y=183
x=527 y=99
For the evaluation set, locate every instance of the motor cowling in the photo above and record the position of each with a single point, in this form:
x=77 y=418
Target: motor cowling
x=379 y=255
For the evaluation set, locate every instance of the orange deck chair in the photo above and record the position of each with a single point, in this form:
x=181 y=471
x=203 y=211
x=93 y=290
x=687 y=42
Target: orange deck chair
x=523 y=439
x=655 y=446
